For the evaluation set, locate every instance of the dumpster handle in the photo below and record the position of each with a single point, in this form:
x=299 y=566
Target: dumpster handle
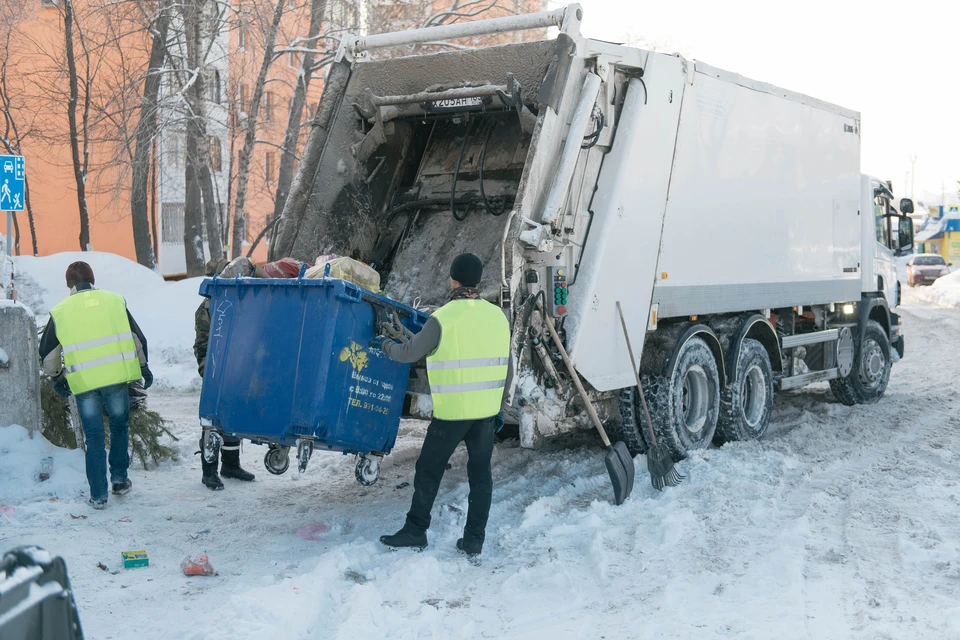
x=238 y=280
x=351 y=293
x=303 y=270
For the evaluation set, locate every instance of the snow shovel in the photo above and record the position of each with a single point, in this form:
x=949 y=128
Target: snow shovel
x=659 y=462
x=618 y=459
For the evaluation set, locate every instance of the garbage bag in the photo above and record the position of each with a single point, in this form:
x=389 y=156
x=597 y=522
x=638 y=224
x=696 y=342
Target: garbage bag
x=347 y=269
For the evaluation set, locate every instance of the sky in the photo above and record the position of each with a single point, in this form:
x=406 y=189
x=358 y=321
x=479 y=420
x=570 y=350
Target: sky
x=898 y=64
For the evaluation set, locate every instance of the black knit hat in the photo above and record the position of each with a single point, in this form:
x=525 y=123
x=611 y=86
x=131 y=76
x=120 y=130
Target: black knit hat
x=79 y=272
x=467 y=269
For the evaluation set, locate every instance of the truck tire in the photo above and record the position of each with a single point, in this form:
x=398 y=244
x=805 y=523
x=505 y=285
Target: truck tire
x=867 y=382
x=746 y=405
x=632 y=426
x=684 y=407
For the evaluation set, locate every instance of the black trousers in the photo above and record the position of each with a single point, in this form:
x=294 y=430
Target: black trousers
x=442 y=439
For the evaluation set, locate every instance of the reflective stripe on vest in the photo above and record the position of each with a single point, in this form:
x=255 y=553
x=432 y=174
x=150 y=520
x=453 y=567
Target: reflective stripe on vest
x=99 y=349
x=468 y=370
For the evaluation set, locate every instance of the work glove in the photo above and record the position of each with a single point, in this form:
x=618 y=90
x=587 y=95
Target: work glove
x=498 y=422
x=396 y=330
x=147 y=376
x=60 y=386
x=377 y=343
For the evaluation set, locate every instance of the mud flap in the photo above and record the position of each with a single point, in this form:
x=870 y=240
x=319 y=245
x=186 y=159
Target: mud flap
x=621 y=469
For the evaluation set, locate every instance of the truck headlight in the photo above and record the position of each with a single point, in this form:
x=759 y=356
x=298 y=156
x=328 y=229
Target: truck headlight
x=848 y=309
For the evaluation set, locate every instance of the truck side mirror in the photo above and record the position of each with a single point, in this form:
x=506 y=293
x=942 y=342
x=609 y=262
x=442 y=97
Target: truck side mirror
x=905 y=233
x=906 y=206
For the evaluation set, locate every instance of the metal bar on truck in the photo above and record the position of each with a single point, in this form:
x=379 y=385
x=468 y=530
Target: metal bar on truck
x=462 y=30
x=560 y=188
x=483 y=91
x=795 y=382
x=810 y=338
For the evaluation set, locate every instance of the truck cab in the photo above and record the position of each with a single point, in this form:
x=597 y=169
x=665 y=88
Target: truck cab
x=887 y=235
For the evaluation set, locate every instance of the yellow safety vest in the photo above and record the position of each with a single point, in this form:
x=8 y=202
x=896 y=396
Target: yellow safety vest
x=98 y=345
x=468 y=370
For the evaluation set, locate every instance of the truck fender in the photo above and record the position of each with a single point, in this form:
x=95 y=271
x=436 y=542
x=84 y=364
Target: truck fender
x=873 y=308
x=707 y=335
x=757 y=328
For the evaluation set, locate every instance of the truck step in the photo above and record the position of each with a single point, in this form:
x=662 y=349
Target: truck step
x=794 y=382
x=810 y=338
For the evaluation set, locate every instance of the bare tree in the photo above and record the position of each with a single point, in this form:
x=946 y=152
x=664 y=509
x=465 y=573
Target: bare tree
x=15 y=128
x=308 y=66
x=145 y=132
x=250 y=137
x=79 y=164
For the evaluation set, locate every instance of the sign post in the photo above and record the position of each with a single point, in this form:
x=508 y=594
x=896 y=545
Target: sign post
x=12 y=177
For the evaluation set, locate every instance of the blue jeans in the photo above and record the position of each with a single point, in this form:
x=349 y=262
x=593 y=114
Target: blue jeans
x=116 y=400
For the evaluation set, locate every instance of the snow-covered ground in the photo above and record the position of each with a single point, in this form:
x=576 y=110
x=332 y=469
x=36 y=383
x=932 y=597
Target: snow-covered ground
x=944 y=292
x=842 y=523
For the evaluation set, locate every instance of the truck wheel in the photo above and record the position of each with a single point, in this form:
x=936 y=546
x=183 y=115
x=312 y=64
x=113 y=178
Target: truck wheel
x=685 y=406
x=745 y=406
x=867 y=382
x=631 y=427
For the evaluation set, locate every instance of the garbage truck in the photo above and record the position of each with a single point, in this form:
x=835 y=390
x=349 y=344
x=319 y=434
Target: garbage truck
x=728 y=218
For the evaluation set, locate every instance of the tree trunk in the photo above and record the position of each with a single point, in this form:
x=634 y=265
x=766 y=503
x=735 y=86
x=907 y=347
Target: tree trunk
x=243 y=168
x=78 y=172
x=291 y=138
x=197 y=128
x=29 y=208
x=192 y=213
x=145 y=132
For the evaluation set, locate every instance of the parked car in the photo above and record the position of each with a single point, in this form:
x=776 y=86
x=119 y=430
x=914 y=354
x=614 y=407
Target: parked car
x=925 y=268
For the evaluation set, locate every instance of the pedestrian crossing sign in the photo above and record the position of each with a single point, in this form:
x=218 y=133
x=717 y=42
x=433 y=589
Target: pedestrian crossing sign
x=12 y=178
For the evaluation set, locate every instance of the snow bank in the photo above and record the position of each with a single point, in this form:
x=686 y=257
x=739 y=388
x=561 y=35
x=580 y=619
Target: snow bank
x=22 y=457
x=164 y=310
x=944 y=292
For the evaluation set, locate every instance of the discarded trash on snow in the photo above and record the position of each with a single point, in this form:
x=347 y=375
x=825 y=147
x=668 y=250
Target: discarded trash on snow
x=8 y=510
x=78 y=517
x=46 y=469
x=197 y=565
x=312 y=530
x=101 y=566
x=134 y=559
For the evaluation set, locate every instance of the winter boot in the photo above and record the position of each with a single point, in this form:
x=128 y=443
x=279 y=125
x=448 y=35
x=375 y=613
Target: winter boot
x=210 y=478
x=120 y=488
x=97 y=504
x=231 y=464
x=470 y=547
x=406 y=538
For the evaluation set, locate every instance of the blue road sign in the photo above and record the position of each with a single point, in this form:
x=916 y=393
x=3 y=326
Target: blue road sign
x=12 y=175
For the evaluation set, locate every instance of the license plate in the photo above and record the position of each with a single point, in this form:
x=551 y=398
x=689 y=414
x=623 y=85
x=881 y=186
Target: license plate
x=455 y=104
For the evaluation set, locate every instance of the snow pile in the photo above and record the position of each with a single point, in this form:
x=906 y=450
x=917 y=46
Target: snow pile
x=23 y=457
x=164 y=310
x=944 y=292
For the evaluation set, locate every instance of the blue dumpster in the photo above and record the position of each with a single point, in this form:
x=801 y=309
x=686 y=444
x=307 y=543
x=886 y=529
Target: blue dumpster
x=288 y=365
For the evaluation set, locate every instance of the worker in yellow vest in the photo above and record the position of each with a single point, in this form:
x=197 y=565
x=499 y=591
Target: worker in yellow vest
x=467 y=346
x=102 y=349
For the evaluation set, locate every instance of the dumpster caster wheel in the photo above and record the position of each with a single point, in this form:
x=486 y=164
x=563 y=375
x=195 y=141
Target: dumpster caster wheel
x=211 y=442
x=367 y=470
x=304 y=452
x=277 y=460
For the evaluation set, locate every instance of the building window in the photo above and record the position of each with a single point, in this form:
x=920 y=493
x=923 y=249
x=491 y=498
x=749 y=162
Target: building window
x=292 y=4
x=312 y=109
x=293 y=60
x=171 y=221
x=243 y=99
x=175 y=152
x=216 y=154
x=48 y=3
x=269 y=166
x=268 y=106
x=241 y=36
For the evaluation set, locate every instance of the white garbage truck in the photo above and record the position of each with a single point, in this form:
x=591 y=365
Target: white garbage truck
x=727 y=217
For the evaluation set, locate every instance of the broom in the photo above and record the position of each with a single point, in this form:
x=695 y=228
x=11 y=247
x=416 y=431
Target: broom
x=659 y=462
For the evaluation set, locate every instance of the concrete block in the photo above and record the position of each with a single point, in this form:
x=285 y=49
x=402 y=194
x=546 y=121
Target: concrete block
x=19 y=366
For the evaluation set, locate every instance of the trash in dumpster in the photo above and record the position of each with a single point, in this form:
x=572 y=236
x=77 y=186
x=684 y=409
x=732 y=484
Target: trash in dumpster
x=347 y=269
x=197 y=565
x=134 y=559
x=341 y=397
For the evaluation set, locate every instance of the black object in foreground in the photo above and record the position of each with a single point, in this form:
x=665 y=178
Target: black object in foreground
x=36 y=600
x=659 y=463
x=618 y=461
